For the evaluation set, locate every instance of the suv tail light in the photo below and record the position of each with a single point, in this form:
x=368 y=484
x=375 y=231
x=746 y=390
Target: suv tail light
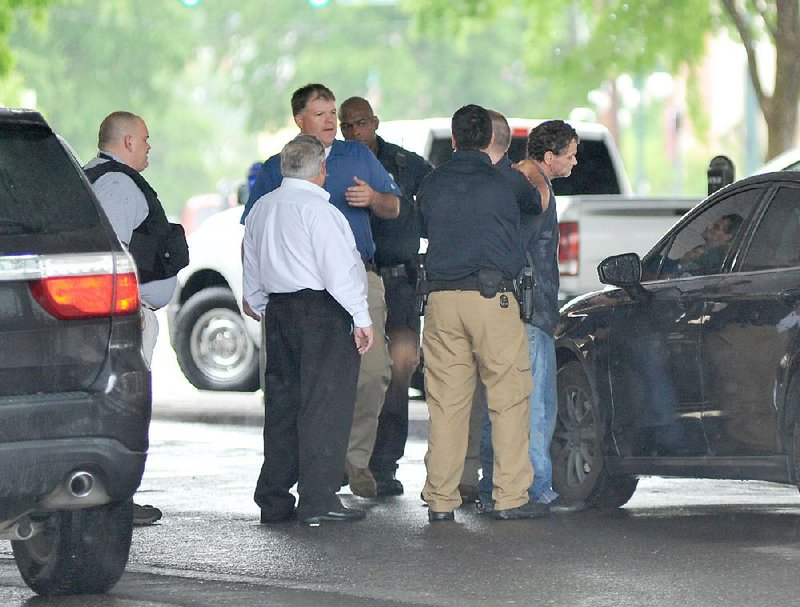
x=568 y=248
x=87 y=286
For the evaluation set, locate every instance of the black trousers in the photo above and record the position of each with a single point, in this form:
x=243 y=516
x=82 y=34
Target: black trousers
x=392 y=434
x=310 y=389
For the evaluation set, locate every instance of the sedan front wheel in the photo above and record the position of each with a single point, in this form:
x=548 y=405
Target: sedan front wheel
x=579 y=472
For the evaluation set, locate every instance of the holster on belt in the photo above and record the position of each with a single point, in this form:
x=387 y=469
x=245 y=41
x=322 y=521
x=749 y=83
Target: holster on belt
x=523 y=290
x=423 y=287
x=489 y=282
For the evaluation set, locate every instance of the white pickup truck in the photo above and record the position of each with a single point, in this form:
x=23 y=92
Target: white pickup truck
x=217 y=346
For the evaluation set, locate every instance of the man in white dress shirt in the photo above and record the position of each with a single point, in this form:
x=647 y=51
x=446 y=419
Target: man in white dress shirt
x=303 y=273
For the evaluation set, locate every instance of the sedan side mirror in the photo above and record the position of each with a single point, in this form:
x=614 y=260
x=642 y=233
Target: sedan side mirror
x=621 y=270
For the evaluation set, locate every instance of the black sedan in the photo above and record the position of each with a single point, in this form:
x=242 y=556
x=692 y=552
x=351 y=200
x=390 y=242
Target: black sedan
x=690 y=365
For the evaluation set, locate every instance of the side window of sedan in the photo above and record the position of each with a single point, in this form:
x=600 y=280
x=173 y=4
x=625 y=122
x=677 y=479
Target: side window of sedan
x=776 y=242
x=701 y=246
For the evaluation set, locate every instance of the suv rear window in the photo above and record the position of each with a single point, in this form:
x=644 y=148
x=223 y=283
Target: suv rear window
x=594 y=173
x=45 y=207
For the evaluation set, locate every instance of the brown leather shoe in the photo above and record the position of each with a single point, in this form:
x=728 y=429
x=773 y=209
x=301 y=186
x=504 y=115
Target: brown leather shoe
x=362 y=483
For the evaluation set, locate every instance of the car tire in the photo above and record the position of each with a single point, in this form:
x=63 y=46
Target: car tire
x=77 y=551
x=793 y=427
x=579 y=470
x=212 y=345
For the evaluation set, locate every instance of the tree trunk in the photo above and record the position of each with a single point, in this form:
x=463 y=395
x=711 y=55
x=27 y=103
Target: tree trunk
x=782 y=110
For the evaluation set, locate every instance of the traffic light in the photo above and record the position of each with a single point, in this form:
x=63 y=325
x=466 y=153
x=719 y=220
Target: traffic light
x=319 y=3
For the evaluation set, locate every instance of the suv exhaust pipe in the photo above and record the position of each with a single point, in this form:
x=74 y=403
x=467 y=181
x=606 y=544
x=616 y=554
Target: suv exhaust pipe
x=24 y=529
x=80 y=489
x=80 y=484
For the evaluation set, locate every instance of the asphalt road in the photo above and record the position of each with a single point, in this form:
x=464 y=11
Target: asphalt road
x=688 y=543
x=677 y=542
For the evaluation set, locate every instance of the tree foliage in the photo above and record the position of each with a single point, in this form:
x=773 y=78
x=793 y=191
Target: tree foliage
x=589 y=41
x=207 y=79
x=8 y=8
x=367 y=49
x=87 y=59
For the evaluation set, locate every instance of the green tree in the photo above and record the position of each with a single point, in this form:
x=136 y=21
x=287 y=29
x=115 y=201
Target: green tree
x=8 y=9
x=367 y=49
x=87 y=59
x=207 y=78
x=590 y=41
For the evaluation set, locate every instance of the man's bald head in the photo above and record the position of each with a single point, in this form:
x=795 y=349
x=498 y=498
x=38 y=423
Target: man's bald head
x=125 y=135
x=358 y=121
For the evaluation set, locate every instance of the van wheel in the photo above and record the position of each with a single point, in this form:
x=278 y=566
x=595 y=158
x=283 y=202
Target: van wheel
x=77 y=551
x=579 y=472
x=211 y=342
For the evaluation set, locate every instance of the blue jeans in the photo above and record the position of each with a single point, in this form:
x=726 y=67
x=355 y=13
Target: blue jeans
x=544 y=407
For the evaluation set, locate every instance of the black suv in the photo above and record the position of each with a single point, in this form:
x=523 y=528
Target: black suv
x=75 y=394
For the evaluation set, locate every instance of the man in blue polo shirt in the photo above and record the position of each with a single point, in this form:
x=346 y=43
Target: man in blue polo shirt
x=358 y=185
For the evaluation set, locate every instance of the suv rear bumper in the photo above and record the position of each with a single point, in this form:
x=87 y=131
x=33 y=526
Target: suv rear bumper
x=41 y=475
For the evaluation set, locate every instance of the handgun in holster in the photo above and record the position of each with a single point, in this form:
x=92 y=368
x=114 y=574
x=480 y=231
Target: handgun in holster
x=523 y=289
x=423 y=287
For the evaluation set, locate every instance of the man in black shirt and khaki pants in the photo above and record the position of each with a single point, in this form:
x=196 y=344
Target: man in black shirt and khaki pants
x=470 y=214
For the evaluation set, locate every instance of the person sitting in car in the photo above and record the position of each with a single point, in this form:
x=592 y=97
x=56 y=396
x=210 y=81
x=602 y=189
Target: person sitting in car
x=707 y=258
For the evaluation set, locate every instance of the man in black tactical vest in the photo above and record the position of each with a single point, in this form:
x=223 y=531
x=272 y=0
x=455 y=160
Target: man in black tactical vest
x=137 y=216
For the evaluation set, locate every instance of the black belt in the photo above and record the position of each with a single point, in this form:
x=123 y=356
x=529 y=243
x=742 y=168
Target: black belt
x=393 y=271
x=468 y=283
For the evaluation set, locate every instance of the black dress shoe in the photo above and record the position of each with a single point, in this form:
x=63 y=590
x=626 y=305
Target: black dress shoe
x=342 y=515
x=389 y=486
x=529 y=510
x=435 y=517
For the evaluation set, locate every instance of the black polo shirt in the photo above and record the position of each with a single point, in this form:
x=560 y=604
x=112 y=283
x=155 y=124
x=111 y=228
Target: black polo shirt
x=470 y=215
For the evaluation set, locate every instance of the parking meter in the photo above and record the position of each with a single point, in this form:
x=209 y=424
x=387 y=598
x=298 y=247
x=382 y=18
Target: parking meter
x=720 y=173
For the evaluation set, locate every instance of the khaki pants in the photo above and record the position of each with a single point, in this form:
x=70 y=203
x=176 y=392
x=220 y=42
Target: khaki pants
x=472 y=463
x=373 y=379
x=467 y=336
